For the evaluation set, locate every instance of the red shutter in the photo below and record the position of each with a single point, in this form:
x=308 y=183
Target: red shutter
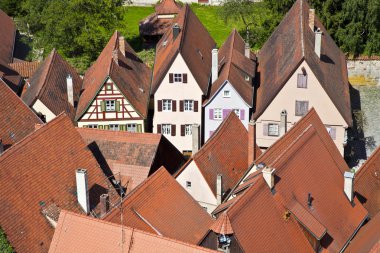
x=265 y=129
x=184 y=78
x=170 y=78
x=181 y=105
x=158 y=129
x=174 y=105
x=159 y=106
x=195 y=106
x=183 y=130
x=173 y=130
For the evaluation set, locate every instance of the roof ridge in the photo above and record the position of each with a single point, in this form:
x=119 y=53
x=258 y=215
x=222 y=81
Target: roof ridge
x=302 y=28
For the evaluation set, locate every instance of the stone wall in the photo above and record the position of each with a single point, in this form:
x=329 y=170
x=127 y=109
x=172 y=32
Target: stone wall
x=367 y=69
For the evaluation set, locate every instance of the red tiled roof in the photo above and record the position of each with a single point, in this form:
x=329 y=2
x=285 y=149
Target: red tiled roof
x=290 y=44
x=39 y=171
x=130 y=74
x=234 y=66
x=368 y=238
x=78 y=233
x=49 y=85
x=25 y=69
x=222 y=225
x=133 y=155
x=17 y=120
x=367 y=183
x=167 y=7
x=160 y=205
x=193 y=42
x=8 y=35
x=306 y=161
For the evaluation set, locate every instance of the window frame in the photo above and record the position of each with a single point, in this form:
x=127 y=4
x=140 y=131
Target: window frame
x=301 y=114
x=188 y=105
x=301 y=75
x=228 y=95
x=110 y=107
x=166 y=129
x=218 y=114
x=177 y=77
x=114 y=127
x=94 y=126
x=188 y=130
x=130 y=124
x=188 y=184
x=270 y=132
x=167 y=105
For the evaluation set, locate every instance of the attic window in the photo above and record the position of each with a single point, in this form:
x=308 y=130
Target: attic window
x=226 y=94
x=188 y=184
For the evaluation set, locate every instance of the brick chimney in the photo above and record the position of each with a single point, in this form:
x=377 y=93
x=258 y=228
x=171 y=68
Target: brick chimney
x=219 y=189
x=251 y=142
x=283 y=122
x=70 y=89
x=176 y=30
x=311 y=19
x=196 y=138
x=214 y=65
x=268 y=175
x=82 y=190
x=104 y=204
x=122 y=45
x=349 y=185
x=318 y=42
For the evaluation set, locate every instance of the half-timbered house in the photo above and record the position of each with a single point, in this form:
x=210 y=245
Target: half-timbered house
x=115 y=90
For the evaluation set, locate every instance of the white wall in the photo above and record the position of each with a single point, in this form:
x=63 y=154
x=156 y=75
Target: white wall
x=317 y=97
x=178 y=91
x=39 y=107
x=199 y=189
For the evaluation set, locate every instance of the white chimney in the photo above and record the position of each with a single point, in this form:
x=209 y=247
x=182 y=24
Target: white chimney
x=349 y=185
x=82 y=190
x=214 y=66
x=219 y=189
x=70 y=89
x=247 y=51
x=1 y=146
x=195 y=138
x=268 y=175
x=122 y=45
x=283 y=122
x=318 y=42
x=311 y=19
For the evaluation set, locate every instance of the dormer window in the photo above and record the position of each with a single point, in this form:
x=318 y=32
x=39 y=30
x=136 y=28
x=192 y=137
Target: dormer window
x=226 y=94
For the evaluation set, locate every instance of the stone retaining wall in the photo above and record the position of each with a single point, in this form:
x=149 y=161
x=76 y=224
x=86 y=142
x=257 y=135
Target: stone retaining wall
x=369 y=69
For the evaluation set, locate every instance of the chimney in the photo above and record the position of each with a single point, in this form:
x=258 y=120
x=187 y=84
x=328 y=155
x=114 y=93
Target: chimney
x=268 y=174
x=104 y=204
x=283 y=122
x=318 y=42
x=176 y=30
x=214 y=66
x=349 y=185
x=70 y=89
x=195 y=136
x=219 y=189
x=311 y=19
x=122 y=45
x=247 y=50
x=1 y=146
x=115 y=56
x=251 y=142
x=82 y=190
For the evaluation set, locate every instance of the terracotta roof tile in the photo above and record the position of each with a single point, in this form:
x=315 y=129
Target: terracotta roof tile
x=130 y=74
x=78 y=233
x=154 y=208
x=367 y=183
x=195 y=52
x=10 y=77
x=17 y=119
x=8 y=35
x=167 y=7
x=39 y=171
x=133 y=155
x=222 y=225
x=290 y=44
x=25 y=69
x=49 y=85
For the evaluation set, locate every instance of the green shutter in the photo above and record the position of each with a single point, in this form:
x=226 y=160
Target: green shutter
x=107 y=127
x=117 y=106
x=102 y=106
x=122 y=127
x=100 y=126
x=139 y=128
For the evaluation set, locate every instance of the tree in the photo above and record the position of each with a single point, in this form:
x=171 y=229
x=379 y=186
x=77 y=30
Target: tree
x=11 y=7
x=5 y=247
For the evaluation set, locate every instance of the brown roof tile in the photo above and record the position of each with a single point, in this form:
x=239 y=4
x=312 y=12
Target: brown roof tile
x=39 y=171
x=78 y=233
x=10 y=77
x=8 y=35
x=167 y=7
x=290 y=44
x=133 y=155
x=25 y=69
x=49 y=85
x=193 y=42
x=367 y=183
x=130 y=74
x=152 y=25
x=154 y=208
x=17 y=119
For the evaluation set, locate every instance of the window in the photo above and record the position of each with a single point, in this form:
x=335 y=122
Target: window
x=226 y=94
x=131 y=127
x=302 y=81
x=109 y=87
x=110 y=105
x=189 y=105
x=166 y=129
x=92 y=126
x=114 y=127
x=218 y=113
x=166 y=105
x=188 y=130
x=273 y=129
x=188 y=184
x=177 y=78
x=302 y=107
x=237 y=112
